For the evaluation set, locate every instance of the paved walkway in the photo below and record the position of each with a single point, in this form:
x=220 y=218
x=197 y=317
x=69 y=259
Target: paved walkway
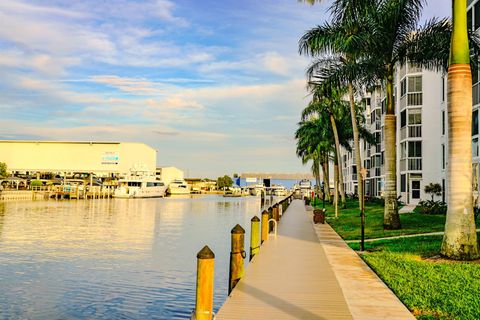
x=368 y=298
x=439 y=233
x=308 y=273
x=289 y=279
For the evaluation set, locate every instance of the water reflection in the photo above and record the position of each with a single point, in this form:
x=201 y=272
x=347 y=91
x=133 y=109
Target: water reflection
x=113 y=259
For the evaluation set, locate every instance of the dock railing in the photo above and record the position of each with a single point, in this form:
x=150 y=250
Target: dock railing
x=260 y=230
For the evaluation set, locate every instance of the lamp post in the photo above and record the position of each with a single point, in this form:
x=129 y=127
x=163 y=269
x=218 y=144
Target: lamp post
x=323 y=193
x=363 y=173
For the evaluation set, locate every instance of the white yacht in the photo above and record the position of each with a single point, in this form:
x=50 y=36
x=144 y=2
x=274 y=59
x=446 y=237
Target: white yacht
x=278 y=190
x=256 y=189
x=305 y=187
x=178 y=187
x=233 y=191
x=140 y=187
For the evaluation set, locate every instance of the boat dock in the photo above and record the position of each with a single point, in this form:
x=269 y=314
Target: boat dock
x=309 y=273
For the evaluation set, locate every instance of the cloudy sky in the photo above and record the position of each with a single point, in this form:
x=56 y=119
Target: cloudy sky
x=215 y=86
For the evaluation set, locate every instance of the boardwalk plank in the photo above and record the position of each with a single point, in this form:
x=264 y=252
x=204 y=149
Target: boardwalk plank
x=290 y=278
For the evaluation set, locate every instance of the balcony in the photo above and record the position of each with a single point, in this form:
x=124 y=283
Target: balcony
x=415 y=99
x=414 y=164
x=415 y=131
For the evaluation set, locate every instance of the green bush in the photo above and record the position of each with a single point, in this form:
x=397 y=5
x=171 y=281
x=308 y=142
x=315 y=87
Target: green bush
x=36 y=183
x=431 y=207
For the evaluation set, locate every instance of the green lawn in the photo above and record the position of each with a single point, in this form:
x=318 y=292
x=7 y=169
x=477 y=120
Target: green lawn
x=431 y=289
x=348 y=223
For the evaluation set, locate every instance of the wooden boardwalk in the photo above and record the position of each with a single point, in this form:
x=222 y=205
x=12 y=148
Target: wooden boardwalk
x=290 y=278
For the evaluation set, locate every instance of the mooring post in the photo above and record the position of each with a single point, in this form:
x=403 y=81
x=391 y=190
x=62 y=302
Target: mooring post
x=237 y=256
x=204 y=292
x=254 y=236
x=275 y=213
x=264 y=225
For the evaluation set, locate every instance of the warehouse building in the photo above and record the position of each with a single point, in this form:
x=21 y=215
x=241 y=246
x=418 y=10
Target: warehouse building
x=103 y=159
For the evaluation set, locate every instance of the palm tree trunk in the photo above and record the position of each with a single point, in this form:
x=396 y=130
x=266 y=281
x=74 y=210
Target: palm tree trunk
x=335 y=183
x=460 y=238
x=339 y=160
x=326 y=180
x=356 y=142
x=316 y=173
x=391 y=218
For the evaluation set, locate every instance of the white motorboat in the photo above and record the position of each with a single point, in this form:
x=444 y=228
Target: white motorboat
x=279 y=190
x=256 y=190
x=305 y=187
x=140 y=187
x=178 y=187
x=233 y=191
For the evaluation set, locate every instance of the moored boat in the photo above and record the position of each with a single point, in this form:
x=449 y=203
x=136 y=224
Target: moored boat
x=140 y=187
x=178 y=187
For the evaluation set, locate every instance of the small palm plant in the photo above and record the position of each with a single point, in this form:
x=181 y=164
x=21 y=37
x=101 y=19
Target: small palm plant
x=433 y=189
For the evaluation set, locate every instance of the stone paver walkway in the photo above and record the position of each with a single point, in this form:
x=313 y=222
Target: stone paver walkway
x=439 y=233
x=368 y=298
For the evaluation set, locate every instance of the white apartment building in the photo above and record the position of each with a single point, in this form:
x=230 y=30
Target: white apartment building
x=422 y=131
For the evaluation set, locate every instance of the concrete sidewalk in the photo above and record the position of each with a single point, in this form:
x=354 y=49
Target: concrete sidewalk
x=368 y=298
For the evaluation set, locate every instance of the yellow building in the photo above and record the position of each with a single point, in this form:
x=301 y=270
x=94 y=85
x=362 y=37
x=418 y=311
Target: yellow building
x=100 y=158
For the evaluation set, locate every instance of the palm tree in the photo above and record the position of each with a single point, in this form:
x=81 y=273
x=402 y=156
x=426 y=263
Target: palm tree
x=327 y=101
x=343 y=38
x=460 y=238
x=314 y=143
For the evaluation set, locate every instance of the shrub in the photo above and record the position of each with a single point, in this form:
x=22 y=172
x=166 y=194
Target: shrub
x=36 y=183
x=431 y=207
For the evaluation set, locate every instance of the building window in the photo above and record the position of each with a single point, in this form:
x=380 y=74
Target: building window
x=443 y=156
x=475 y=147
x=403 y=87
x=443 y=122
x=403 y=183
x=403 y=118
x=415 y=84
x=469 y=19
x=403 y=150
x=475 y=122
x=443 y=190
x=414 y=149
x=477 y=16
x=415 y=117
x=443 y=89
x=415 y=189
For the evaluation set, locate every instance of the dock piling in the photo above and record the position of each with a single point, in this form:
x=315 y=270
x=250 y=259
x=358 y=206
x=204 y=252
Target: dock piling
x=264 y=235
x=254 y=236
x=204 y=291
x=237 y=256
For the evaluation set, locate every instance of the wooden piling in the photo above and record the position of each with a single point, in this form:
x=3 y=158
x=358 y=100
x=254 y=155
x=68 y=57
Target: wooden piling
x=204 y=290
x=254 y=236
x=237 y=256
x=275 y=213
x=264 y=234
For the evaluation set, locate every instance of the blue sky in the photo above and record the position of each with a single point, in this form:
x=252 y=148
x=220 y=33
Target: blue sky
x=215 y=86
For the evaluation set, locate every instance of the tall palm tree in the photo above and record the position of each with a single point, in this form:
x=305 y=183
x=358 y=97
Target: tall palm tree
x=344 y=38
x=314 y=143
x=327 y=101
x=460 y=238
x=391 y=25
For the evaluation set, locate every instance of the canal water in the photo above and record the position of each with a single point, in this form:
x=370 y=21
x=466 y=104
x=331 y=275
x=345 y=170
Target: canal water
x=113 y=258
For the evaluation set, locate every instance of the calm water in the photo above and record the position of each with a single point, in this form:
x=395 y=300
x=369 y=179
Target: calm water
x=115 y=258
